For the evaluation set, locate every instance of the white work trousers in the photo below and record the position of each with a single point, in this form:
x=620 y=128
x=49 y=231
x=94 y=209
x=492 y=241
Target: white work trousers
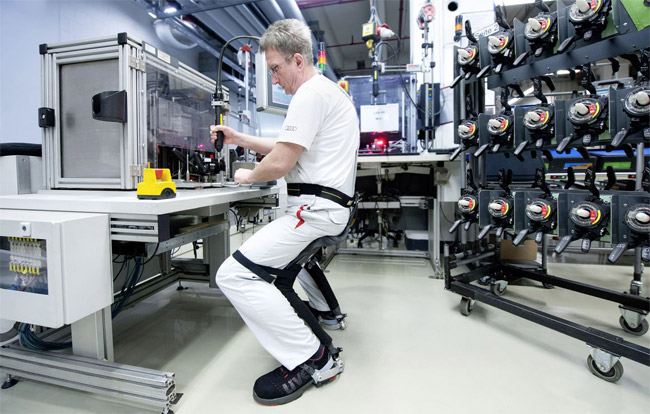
x=263 y=307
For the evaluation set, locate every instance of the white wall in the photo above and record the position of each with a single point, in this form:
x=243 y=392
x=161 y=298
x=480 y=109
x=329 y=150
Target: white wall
x=24 y=24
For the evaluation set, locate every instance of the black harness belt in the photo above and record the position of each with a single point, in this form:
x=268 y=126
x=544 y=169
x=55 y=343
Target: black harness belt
x=284 y=282
x=265 y=272
x=331 y=194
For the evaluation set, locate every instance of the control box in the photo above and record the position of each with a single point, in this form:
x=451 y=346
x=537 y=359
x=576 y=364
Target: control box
x=55 y=267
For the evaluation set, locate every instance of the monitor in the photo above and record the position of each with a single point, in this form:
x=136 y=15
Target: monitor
x=269 y=98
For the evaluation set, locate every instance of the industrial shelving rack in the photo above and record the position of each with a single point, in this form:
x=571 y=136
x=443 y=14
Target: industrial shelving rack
x=482 y=257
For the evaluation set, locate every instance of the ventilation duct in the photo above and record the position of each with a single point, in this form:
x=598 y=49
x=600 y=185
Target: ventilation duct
x=172 y=36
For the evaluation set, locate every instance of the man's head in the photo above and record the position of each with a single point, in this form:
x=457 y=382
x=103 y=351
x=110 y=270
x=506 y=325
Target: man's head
x=287 y=45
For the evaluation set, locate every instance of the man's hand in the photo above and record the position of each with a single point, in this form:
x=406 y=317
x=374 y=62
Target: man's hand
x=230 y=136
x=242 y=176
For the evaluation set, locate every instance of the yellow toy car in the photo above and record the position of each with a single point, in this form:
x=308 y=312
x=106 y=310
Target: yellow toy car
x=157 y=184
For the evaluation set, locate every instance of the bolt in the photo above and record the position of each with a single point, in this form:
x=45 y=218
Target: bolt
x=24 y=228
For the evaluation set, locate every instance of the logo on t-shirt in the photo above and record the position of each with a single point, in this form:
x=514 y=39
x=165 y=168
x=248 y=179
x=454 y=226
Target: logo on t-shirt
x=290 y=128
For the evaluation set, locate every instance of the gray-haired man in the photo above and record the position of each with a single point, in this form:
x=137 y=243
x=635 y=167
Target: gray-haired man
x=316 y=148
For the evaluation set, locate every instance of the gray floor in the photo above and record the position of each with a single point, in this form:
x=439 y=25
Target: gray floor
x=407 y=349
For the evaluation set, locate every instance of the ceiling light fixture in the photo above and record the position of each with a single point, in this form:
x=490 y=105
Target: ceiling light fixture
x=172 y=6
x=153 y=16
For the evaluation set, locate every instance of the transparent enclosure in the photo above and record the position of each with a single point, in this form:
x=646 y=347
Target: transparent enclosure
x=179 y=115
x=23 y=265
x=392 y=90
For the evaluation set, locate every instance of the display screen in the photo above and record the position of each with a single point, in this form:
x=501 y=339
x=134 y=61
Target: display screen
x=278 y=96
x=618 y=164
x=578 y=165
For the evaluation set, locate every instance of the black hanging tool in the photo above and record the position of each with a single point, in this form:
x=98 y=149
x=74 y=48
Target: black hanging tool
x=588 y=218
x=500 y=47
x=636 y=219
x=221 y=102
x=589 y=19
x=636 y=103
x=501 y=126
x=501 y=207
x=587 y=114
x=467 y=205
x=539 y=120
x=541 y=211
x=540 y=32
x=467 y=129
x=467 y=56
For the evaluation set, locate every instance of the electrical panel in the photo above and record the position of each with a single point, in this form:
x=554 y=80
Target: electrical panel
x=55 y=267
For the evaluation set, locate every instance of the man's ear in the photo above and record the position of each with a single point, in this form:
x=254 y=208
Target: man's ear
x=300 y=61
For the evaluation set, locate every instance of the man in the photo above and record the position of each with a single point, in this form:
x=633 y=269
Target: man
x=317 y=146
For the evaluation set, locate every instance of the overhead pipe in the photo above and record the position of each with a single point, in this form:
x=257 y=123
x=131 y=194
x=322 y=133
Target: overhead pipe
x=247 y=23
x=271 y=10
x=200 y=40
x=310 y=4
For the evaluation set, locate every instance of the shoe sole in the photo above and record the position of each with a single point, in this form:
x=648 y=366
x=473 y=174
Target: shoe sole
x=283 y=400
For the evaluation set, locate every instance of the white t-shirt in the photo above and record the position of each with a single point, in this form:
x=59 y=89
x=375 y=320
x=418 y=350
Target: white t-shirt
x=322 y=119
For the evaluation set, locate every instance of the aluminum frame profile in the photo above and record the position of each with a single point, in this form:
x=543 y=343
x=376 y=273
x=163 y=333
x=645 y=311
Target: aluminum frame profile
x=143 y=386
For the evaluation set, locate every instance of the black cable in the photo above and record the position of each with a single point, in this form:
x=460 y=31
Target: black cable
x=223 y=50
x=120 y=271
x=153 y=255
x=399 y=72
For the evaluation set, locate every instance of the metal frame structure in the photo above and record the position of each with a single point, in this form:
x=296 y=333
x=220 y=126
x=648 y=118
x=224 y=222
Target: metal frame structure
x=91 y=366
x=605 y=349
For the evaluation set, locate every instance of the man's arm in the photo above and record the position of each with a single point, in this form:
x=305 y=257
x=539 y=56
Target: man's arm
x=276 y=164
x=258 y=144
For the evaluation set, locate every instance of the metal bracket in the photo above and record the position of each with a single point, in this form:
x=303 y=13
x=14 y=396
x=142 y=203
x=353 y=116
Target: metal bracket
x=632 y=318
x=137 y=63
x=136 y=170
x=603 y=359
x=321 y=376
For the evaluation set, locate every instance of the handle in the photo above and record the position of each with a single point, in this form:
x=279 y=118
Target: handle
x=617 y=252
x=564 y=242
x=455 y=226
x=218 y=115
x=455 y=153
x=481 y=150
x=485 y=230
x=520 y=237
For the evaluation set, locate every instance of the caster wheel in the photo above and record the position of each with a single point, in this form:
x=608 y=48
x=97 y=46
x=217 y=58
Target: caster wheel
x=548 y=286
x=613 y=375
x=484 y=281
x=498 y=289
x=466 y=306
x=638 y=331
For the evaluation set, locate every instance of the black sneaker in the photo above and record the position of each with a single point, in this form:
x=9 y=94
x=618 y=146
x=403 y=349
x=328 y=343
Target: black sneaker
x=329 y=320
x=281 y=386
